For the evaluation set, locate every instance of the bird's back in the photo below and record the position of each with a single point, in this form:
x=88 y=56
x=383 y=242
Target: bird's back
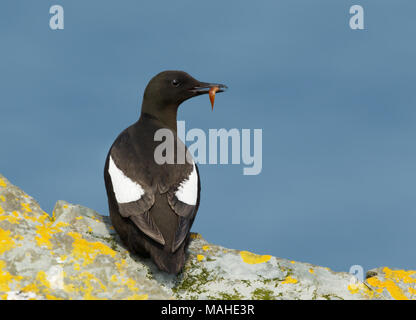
x=133 y=154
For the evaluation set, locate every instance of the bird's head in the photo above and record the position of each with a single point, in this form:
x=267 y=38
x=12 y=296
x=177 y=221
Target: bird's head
x=169 y=89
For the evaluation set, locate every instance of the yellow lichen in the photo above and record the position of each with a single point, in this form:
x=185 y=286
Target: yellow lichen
x=13 y=218
x=200 y=257
x=311 y=271
x=34 y=218
x=41 y=277
x=114 y=278
x=353 y=288
x=51 y=297
x=130 y=283
x=252 y=258
x=2 y=183
x=40 y=285
x=392 y=278
x=26 y=207
x=87 y=251
x=137 y=297
x=6 y=242
x=18 y=237
x=89 y=286
x=43 y=238
x=2 y=198
x=45 y=232
x=289 y=279
x=206 y=248
x=6 y=278
x=361 y=288
x=32 y=287
x=400 y=275
x=391 y=287
x=121 y=265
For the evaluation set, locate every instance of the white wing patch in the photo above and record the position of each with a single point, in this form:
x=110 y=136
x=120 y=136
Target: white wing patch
x=124 y=188
x=188 y=190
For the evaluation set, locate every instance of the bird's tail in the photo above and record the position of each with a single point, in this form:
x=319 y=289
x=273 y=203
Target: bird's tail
x=168 y=261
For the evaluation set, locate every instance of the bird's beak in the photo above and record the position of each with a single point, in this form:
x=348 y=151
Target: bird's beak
x=211 y=88
x=204 y=87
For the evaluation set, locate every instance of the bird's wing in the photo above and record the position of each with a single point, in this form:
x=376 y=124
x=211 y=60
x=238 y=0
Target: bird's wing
x=133 y=195
x=183 y=198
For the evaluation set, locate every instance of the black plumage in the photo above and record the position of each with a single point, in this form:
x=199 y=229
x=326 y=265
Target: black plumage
x=143 y=195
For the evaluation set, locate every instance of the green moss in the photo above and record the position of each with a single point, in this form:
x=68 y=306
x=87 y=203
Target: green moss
x=228 y=296
x=123 y=254
x=331 y=296
x=246 y=282
x=110 y=240
x=274 y=281
x=289 y=272
x=193 y=281
x=263 y=294
x=149 y=275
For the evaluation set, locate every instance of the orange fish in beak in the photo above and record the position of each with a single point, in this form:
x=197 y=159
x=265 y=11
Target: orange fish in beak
x=212 y=92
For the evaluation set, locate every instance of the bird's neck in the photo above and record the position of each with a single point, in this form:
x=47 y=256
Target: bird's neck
x=166 y=114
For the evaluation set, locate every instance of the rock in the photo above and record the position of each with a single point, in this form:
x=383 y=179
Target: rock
x=75 y=254
x=393 y=283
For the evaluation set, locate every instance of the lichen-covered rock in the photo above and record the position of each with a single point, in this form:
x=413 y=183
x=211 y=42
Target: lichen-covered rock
x=71 y=255
x=75 y=254
x=393 y=283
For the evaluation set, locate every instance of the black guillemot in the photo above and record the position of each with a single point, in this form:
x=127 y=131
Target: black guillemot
x=153 y=206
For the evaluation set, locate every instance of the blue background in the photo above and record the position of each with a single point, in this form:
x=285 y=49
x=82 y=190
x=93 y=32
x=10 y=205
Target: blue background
x=337 y=109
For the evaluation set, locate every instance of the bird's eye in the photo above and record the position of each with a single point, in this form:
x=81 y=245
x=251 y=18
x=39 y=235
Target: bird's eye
x=175 y=83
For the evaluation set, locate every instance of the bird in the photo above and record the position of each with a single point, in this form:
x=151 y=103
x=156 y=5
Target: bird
x=153 y=205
